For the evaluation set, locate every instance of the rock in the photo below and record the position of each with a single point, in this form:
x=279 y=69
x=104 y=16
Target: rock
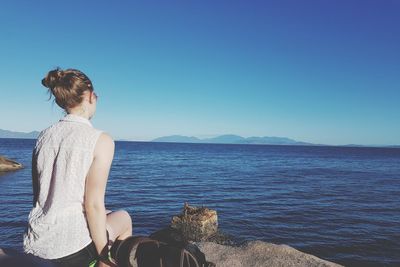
x=8 y=164
x=258 y=254
x=196 y=224
x=254 y=253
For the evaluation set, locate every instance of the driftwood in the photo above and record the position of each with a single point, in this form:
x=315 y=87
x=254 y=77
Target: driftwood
x=196 y=223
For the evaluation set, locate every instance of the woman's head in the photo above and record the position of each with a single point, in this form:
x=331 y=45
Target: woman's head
x=72 y=90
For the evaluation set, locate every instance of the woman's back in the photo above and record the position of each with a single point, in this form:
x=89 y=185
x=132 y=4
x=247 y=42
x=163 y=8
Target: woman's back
x=61 y=160
x=71 y=161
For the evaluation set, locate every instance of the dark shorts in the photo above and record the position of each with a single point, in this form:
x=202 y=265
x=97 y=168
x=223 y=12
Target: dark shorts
x=78 y=259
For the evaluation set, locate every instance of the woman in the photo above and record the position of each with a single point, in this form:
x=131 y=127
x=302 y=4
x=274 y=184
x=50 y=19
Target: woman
x=68 y=223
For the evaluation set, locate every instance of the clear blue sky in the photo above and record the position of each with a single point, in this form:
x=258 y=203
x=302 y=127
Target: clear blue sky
x=316 y=71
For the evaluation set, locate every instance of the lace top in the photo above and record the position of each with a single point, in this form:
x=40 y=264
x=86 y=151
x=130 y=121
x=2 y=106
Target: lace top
x=57 y=224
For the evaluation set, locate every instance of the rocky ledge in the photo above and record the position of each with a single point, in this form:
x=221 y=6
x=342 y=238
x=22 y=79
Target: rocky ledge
x=9 y=165
x=254 y=253
x=258 y=253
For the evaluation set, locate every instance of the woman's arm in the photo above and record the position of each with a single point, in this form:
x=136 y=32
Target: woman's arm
x=35 y=179
x=95 y=188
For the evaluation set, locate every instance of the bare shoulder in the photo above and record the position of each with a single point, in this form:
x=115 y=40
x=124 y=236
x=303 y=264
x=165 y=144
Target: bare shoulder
x=105 y=143
x=105 y=138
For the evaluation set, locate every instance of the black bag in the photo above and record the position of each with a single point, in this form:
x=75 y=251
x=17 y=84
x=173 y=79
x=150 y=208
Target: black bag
x=175 y=239
x=155 y=253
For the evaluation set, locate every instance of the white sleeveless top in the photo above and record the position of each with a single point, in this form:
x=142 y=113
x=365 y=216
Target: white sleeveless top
x=57 y=224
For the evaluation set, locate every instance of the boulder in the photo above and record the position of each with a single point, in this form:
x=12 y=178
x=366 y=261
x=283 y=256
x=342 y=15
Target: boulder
x=253 y=254
x=9 y=165
x=259 y=253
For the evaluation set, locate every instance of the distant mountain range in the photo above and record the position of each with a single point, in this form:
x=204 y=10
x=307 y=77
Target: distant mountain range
x=11 y=134
x=231 y=139
x=222 y=139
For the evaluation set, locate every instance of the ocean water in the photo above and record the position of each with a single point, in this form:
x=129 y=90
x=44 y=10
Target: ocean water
x=339 y=203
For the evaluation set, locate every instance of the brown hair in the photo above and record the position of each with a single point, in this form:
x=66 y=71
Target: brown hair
x=67 y=86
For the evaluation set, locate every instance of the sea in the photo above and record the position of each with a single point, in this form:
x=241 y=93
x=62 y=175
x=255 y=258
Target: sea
x=340 y=204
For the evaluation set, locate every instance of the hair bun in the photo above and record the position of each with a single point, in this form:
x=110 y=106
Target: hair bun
x=53 y=78
x=67 y=86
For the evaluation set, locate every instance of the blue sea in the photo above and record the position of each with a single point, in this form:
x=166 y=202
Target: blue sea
x=341 y=204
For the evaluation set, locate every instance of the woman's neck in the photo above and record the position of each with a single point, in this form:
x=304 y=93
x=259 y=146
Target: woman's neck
x=80 y=111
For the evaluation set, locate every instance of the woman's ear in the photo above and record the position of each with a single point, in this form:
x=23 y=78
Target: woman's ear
x=92 y=97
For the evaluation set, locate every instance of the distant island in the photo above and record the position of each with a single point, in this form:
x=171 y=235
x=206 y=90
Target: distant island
x=21 y=135
x=231 y=139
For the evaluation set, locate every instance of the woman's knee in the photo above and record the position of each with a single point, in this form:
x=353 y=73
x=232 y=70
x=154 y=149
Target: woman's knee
x=126 y=217
x=119 y=222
